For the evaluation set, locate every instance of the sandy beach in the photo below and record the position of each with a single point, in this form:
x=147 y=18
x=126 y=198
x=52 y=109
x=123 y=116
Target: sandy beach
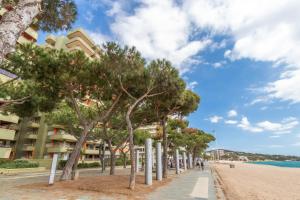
x=259 y=182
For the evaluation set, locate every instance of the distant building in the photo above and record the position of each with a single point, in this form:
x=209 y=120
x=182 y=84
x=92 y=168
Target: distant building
x=243 y=158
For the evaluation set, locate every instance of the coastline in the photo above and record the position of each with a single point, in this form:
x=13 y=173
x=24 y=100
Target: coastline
x=257 y=182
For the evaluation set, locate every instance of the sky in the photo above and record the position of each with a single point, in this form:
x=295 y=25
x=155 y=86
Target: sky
x=241 y=57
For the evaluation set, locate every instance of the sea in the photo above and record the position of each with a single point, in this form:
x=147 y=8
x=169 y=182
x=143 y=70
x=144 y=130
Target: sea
x=292 y=164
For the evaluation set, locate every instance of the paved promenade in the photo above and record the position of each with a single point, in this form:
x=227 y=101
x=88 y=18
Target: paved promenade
x=192 y=185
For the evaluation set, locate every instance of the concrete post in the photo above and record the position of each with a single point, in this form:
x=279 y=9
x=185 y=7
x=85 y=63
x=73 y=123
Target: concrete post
x=191 y=161
x=184 y=160
x=158 y=162
x=177 y=161
x=53 y=169
x=137 y=159
x=148 y=156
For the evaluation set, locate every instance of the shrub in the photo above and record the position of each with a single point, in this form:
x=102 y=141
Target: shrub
x=14 y=164
x=119 y=162
x=62 y=163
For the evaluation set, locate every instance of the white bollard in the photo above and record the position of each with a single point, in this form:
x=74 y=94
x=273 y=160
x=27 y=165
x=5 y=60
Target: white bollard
x=177 y=161
x=53 y=169
x=158 y=162
x=148 y=157
x=191 y=161
x=184 y=161
x=137 y=160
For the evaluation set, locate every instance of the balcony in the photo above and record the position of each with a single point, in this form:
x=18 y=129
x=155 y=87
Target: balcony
x=7 y=134
x=5 y=152
x=23 y=40
x=33 y=33
x=63 y=137
x=33 y=125
x=91 y=151
x=28 y=147
x=59 y=149
x=50 y=39
x=79 y=33
x=78 y=42
x=32 y=136
x=9 y=118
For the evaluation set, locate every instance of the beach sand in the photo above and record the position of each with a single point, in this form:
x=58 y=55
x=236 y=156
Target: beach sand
x=257 y=182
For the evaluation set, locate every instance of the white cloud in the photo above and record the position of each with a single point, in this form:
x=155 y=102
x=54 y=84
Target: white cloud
x=159 y=29
x=215 y=119
x=98 y=37
x=192 y=85
x=245 y=125
x=219 y=64
x=275 y=146
x=231 y=122
x=262 y=30
x=232 y=113
x=89 y=16
x=297 y=144
x=285 y=126
x=275 y=136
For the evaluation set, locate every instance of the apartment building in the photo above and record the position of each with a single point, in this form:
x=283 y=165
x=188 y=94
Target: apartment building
x=37 y=140
x=9 y=122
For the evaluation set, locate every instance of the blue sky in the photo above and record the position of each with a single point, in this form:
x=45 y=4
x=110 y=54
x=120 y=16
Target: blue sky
x=242 y=58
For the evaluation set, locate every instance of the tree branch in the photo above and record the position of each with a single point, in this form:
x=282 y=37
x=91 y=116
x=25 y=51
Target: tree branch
x=122 y=87
x=5 y=103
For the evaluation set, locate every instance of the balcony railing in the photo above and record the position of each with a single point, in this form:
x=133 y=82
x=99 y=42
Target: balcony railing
x=59 y=148
x=5 y=152
x=28 y=147
x=7 y=134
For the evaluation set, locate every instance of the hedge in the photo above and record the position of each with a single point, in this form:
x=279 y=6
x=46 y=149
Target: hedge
x=14 y=164
x=62 y=163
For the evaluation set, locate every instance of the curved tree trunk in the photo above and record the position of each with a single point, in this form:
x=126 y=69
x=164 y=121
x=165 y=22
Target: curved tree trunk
x=165 y=149
x=72 y=159
x=15 y=22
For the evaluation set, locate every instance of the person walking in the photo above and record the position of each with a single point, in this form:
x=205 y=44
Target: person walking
x=202 y=165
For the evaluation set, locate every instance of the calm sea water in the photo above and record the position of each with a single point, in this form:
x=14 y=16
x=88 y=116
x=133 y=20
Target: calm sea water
x=293 y=164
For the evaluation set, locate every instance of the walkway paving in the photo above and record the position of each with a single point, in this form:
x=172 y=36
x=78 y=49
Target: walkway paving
x=192 y=185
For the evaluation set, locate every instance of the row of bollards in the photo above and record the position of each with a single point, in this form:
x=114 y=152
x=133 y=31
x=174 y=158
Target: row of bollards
x=148 y=161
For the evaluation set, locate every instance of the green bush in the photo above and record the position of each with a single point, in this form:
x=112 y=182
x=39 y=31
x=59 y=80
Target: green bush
x=119 y=162
x=62 y=163
x=14 y=164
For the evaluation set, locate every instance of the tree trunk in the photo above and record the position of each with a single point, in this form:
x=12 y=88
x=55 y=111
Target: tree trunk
x=72 y=159
x=165 y=149
x=112 y=162
x=131 y=149
x=124 y=160
x=131 y=145
x=15 y=22
x=75 y=166
x=102 y=157
x=194 y=157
